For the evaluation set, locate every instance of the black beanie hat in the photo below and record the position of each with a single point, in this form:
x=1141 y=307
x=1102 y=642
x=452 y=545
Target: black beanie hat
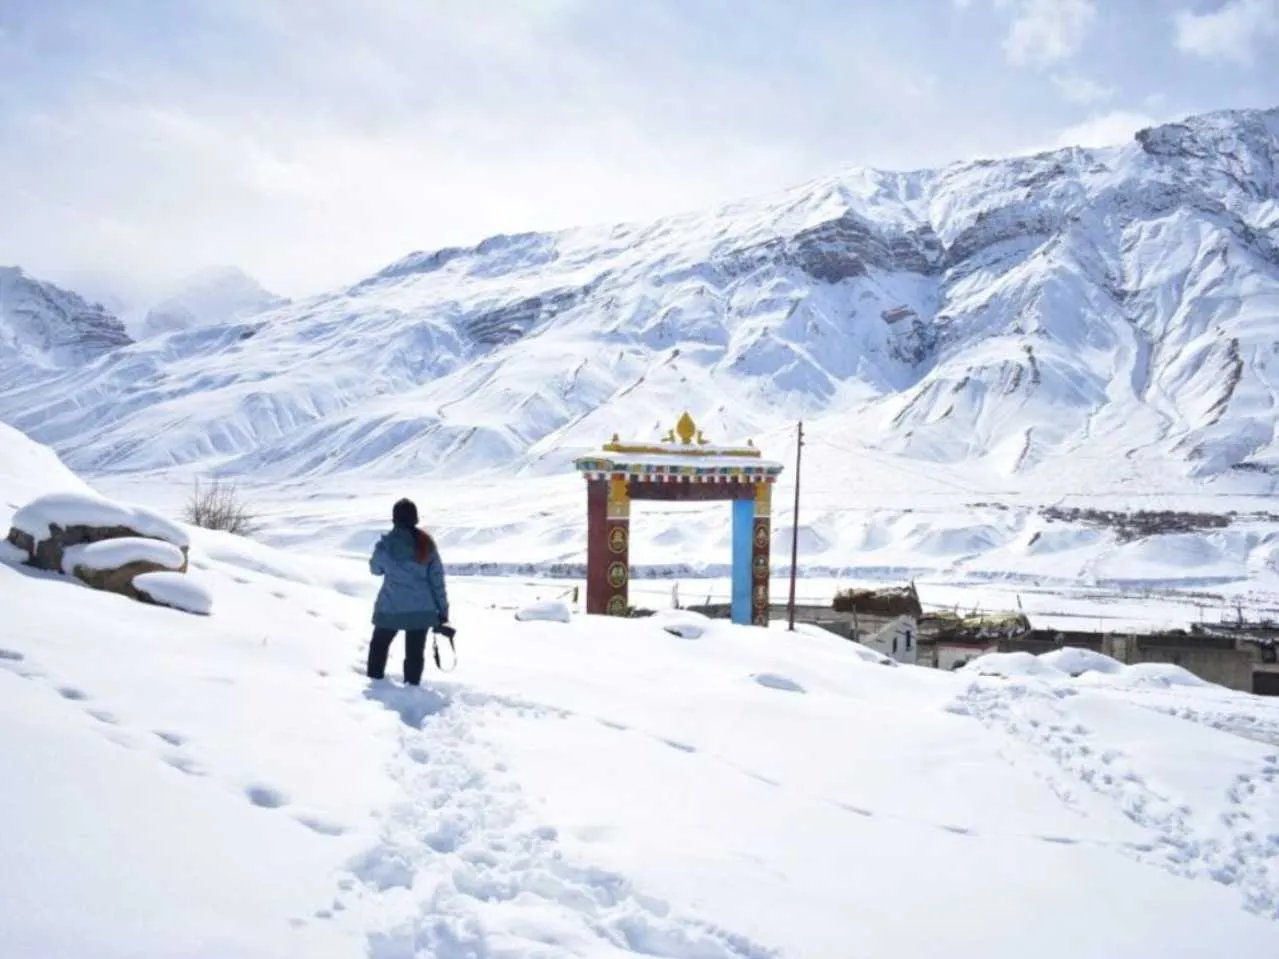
x=404 y=513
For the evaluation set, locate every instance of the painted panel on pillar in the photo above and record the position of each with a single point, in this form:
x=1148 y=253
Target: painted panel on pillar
x=618 y=573
x=743 y=523
x=760 y=552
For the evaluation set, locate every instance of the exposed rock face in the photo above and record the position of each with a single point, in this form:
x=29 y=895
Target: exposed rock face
x=44 y=325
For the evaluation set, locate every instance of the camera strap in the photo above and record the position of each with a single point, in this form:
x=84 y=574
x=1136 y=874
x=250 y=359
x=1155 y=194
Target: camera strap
x=435 y=651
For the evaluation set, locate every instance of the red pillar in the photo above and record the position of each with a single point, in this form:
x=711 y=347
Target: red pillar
x=597 y=589
x=608 y=547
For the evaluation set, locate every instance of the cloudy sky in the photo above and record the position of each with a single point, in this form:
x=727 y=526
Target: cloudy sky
x=313 y=141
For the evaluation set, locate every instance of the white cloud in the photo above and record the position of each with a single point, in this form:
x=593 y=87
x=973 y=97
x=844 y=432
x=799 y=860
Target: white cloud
x=1108 y=129
x=1231 y=32
x=1047 y=31
x=1080 y=89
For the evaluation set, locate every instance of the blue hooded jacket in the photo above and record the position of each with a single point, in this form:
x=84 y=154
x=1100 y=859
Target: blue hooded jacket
x=413 y=594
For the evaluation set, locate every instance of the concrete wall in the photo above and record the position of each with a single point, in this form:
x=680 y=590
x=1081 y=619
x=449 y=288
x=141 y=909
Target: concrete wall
x=951 y=657
x=897 y=639
x=1211 y=658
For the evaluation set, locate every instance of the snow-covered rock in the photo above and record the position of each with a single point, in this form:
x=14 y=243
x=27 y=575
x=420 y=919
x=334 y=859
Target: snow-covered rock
x=40 y=518
x=114 y=553
x=106 y=546
x=176 y=590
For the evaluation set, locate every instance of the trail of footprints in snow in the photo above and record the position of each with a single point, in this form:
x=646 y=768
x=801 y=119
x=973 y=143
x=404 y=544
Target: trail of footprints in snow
x=464 y=832
x=1245 y=859
x=265 y=797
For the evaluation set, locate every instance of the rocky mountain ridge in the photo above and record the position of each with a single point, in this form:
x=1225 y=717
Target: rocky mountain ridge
x=1003 y=315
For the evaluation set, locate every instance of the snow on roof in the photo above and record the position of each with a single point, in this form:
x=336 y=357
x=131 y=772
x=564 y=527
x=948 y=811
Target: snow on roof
x=682 y=450
x=89 y=509
x=676 y=461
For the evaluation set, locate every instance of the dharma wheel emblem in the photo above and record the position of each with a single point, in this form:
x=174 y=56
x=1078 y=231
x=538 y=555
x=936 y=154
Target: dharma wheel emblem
x=617 y=539
x=617 y=575
x=616 y=606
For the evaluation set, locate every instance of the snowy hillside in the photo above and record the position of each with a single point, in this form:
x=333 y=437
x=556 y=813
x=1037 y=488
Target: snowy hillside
x=213 y=297
x=969 y=347
x=43 y=327
x=1002 y=313
x=596 y=788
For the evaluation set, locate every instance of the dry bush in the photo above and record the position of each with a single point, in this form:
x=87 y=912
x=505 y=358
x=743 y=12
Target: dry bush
x=219 y=506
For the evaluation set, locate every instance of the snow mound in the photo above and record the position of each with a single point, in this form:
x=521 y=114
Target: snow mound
x=89 y=509
x=1013 y=666
x=552 y=610
x=1146 y=676
x=115 y=553
x=1075 y=661
x=177 y=590
x=683 y=623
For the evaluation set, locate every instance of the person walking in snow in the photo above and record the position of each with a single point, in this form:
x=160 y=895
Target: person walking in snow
x=413 y=596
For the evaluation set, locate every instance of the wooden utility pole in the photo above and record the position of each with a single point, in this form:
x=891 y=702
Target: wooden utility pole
x=794 y=533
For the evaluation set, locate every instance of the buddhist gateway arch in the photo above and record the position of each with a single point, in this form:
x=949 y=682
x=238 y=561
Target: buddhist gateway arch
x=683 y=467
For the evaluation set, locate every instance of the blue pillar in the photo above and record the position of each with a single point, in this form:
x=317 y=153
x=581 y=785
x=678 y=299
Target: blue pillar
x=743 y=528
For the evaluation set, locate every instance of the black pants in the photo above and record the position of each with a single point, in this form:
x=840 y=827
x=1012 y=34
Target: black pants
x=414 y=653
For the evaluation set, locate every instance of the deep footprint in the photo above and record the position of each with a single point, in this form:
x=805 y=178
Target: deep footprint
x=682 y=747
x=73 y=694
x=322 y=826
x=11 y=655
x=173 y=739
x=102 y=716
x=265 y=797
x=773 y=681
x=185 y=765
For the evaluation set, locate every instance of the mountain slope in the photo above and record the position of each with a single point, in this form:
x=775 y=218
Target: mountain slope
x=213 y=297
x=1006 y=313
x=45 y=327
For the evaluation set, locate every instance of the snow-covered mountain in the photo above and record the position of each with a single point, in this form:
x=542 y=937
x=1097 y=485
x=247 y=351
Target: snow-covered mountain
x=1119 y=302
x=217 y=296
x=45 y=328
x=1080 y=323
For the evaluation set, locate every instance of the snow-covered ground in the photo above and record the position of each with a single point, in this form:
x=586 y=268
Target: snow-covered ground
x=232 y=785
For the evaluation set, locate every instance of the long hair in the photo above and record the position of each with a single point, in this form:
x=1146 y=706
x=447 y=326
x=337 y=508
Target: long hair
x=423 y=545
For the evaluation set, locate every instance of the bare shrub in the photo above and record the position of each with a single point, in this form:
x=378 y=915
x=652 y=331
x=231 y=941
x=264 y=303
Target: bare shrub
x=219 y=506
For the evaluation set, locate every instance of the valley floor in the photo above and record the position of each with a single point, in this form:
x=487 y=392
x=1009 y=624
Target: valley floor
x=233 y=786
